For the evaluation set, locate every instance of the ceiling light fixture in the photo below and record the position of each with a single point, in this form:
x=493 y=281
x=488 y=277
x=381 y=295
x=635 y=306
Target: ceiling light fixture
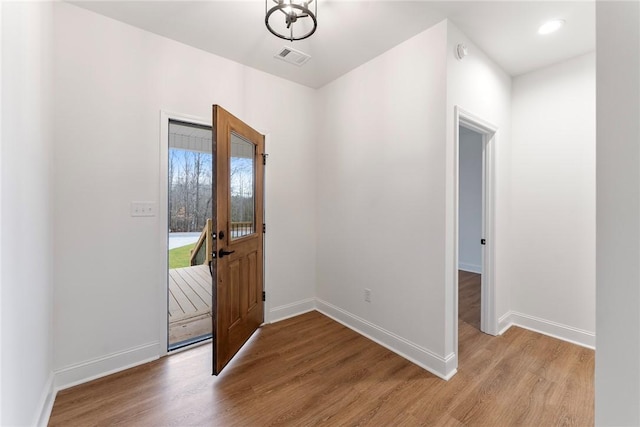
x=295 y=12
x=551 y=26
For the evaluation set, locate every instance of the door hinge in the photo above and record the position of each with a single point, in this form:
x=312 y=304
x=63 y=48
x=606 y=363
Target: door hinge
x=483 y=241
x=264 y=228
x=264 y=296
x=264 y=158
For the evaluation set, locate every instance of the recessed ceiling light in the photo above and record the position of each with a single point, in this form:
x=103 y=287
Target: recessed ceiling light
x=551 y=26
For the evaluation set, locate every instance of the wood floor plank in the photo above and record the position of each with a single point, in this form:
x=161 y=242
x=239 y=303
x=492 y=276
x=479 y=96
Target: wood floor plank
x=200 y=286
x=190 y=328
x=469 y=298
x=182 y=281
x=187 y=307
x=189 y=303
x=202 y=273
x=174 y=307
x=312 y=371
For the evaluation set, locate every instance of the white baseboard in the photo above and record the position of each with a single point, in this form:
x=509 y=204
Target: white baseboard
x=504 y=323
x=443 y=367
x=546 y=327
x=286 y=311
x=472 y=268
x=46 y=403
x=106 y=365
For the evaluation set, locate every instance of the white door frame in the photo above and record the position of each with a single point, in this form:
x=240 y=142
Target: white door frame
x=488 y=319
x=163 y=217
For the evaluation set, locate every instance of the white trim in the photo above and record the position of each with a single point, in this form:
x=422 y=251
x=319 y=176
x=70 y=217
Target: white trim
x=471 y=268
x=2 y=142
x=560 y=331
x=504 y=323
x=266 y=316
x=163 y=220
x=89 y=370
x=443 y=367
x=45 y=404
x=293 y=309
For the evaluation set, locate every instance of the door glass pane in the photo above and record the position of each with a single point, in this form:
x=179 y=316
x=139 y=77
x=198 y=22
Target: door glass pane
x=242 y=181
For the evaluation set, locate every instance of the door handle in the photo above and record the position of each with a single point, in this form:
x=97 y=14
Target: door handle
x=222 y=253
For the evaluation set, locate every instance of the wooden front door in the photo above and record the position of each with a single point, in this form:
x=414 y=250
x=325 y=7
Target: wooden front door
x=237 y=293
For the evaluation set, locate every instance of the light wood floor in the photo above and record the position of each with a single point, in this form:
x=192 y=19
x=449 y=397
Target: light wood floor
x=189 y=303
x=310 y=370
x=469 y=298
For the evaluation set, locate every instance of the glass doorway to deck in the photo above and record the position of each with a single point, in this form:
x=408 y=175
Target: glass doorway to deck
x=190 y=228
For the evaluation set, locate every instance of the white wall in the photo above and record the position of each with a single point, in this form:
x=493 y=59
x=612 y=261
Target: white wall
x=376 y=194
x=388 y=145
x=480 y=87
x=1 y=204
x=112 y=81
x=380 y=202
x=470 y=201
x=26 y=243
x=553 y=199
x=618 y=214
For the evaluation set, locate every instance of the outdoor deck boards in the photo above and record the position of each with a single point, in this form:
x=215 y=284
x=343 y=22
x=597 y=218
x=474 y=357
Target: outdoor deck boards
x=200 y=280
x=189 y=289
x=189 y=303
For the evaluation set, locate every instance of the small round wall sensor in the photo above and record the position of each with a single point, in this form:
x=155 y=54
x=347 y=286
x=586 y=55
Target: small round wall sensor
x=461 y=51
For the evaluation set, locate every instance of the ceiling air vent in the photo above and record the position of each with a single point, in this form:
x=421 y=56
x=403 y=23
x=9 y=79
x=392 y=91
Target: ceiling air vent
x=292 y=56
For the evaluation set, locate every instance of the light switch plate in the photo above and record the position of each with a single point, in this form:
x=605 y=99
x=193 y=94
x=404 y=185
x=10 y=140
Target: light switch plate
x=143 y=208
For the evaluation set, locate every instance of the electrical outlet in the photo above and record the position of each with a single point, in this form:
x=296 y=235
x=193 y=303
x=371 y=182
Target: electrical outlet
x=367 y=294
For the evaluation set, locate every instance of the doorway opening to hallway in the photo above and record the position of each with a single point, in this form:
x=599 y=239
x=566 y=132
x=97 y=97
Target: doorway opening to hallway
x=473 y=238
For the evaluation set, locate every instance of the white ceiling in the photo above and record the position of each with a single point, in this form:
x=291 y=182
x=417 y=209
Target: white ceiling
x=352 y=32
